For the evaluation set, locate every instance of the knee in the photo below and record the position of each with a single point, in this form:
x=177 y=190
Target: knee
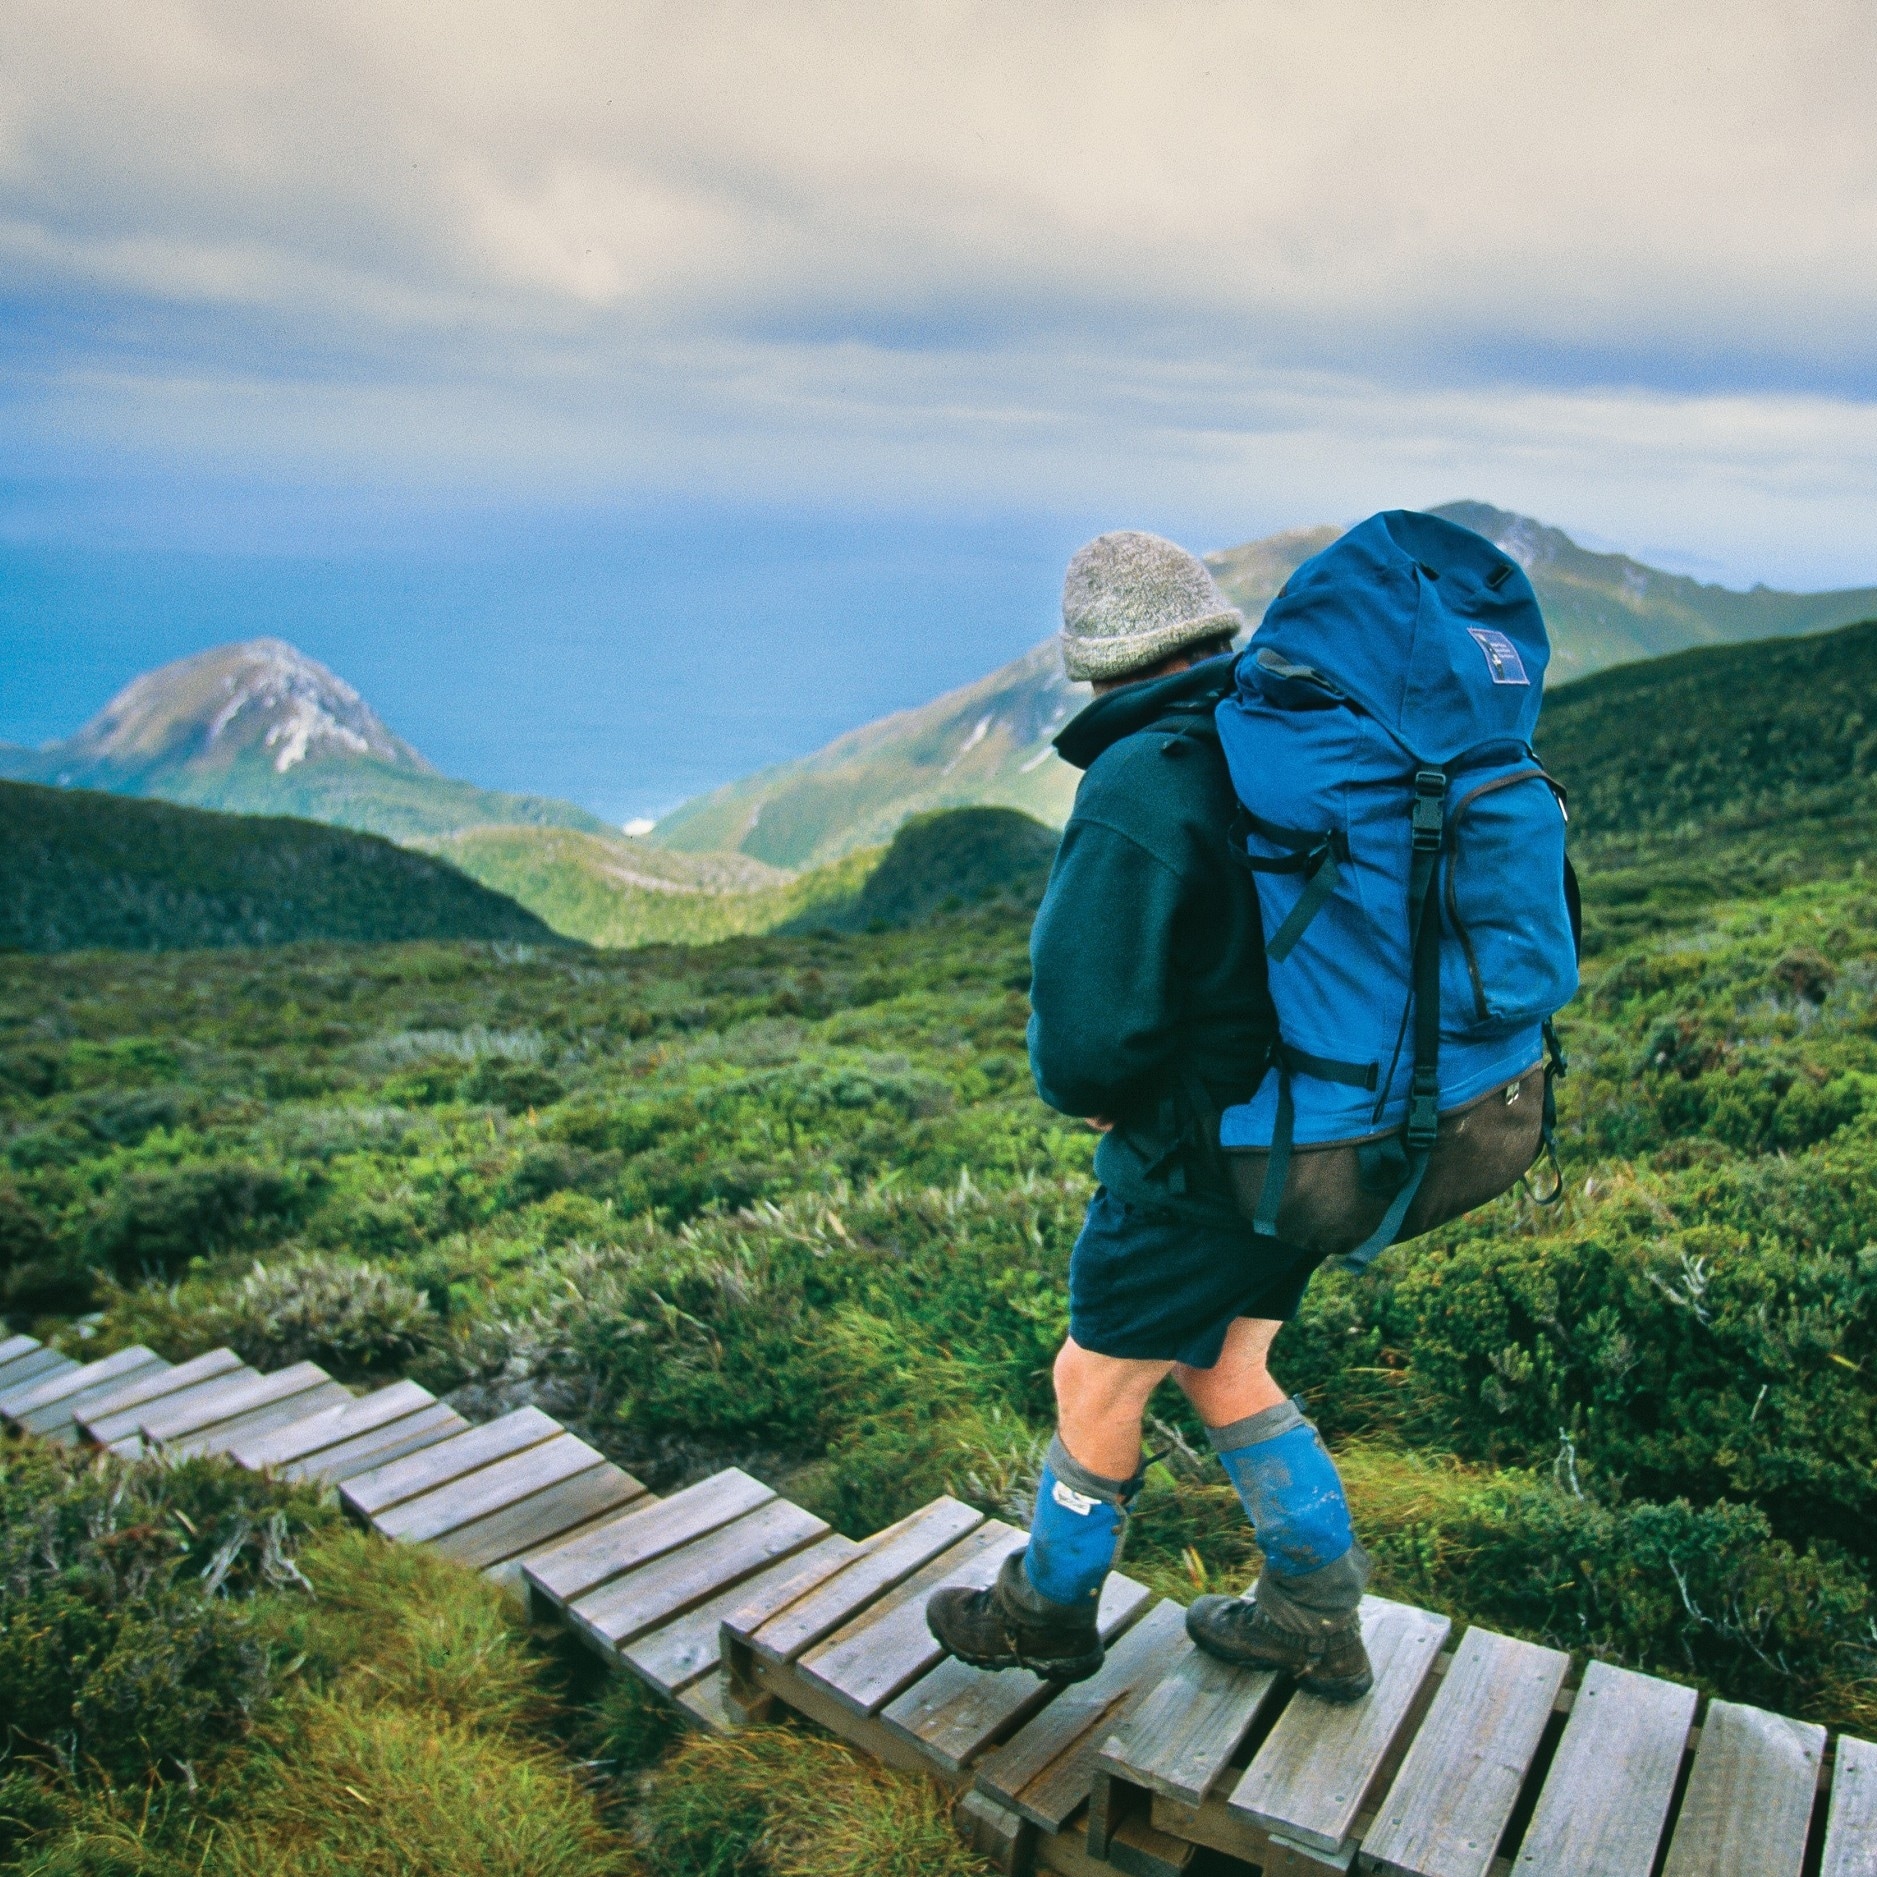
x=1103 y=1386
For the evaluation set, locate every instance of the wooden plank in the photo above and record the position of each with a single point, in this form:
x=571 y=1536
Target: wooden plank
x=35 y=1364
x=1450 y=1802
x=475 y=1495
x=367 y=1494
x=1606 y=1797
x=758 y=1685
x=118 y=1428
x=886 y=1559
x=359 y=1415
x=889 y=1645
x=1748 y=1806
x=625 y=1608
x=12 y=1349
x=1183 y=1734
x=958 y=1712
x=428 y=1427
x=177 y=1418
x=58 y=1422
x=286 y=1412
x=51 y=1402
x=583 y=1564
x=680 y=1651
x=541 y=1517
x=1004 y=1839
x=1046 y=1768
x=144 y=1389
x=702 y=1704
x=1851 y=1827
x=1314 y=1770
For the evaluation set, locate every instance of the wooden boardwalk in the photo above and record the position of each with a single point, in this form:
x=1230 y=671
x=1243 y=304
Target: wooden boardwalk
x=1475 y=1756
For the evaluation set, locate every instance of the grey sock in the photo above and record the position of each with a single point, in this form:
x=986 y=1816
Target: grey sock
x=1317 y=1600
x=1077 y=1477
x=1266 y=1424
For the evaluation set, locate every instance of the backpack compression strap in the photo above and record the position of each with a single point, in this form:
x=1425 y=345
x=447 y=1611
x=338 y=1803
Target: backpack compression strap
x=1315 y=856
x=1428 y=821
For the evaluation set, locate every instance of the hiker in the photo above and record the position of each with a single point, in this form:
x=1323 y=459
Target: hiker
x=1151 y=1016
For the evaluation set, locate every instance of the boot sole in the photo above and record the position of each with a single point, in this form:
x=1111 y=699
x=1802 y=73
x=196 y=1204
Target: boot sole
x=1055 y=1669
x=1350 y=1688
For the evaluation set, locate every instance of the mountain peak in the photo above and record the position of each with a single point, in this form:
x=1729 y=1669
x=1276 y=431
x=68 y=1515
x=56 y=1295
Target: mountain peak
x=263 y=700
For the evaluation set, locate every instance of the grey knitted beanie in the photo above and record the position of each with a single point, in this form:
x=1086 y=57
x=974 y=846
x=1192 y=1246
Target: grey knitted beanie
x=1131 y=599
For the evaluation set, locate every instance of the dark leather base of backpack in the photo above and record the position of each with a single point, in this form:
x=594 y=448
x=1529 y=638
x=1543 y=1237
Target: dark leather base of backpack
x=1482 y=1151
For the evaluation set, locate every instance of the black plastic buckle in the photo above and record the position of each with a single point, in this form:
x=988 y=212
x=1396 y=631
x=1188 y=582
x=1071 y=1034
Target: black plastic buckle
x=1430 y=791
x=1423 y=1112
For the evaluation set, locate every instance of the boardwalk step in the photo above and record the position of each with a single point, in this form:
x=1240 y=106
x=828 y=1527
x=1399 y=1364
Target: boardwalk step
x=576 y=1569
x=1748 y=1806
x=1452 y=1799
x=957 y=1713
x=113 y=1415
x=370 y=1495
x=1607 y=1795
x=1045 y=1770
x=1314 y=1771
x=48 y=1403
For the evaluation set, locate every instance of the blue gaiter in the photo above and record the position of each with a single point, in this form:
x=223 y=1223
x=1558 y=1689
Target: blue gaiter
x=1287 y=1483
x=1076 y=1531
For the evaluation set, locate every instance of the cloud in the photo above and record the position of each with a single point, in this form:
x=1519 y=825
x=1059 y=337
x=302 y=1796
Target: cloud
x=1260 y=253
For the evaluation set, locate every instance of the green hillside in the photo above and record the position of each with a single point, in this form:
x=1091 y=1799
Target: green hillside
x=261 y=729
x=610 y=890
x=607 y=889
x=788 y=1202
x=79 y=869
x=1719 y=771
x=989 y=742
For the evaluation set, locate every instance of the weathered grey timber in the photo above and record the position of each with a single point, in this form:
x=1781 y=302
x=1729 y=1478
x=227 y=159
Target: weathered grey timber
x=118 y=1405
x=283 y=1412
x=330 y=1426
x=1313 y=1772
x=368 y=1494
x=527 y=1523
x=1182 y=1736
x=1606 y=1797
x=428 y=1427
x=886 y=1559
x=957 y=1712
x=888 y=1646
x=44 y=1406
x=691 y=1645
x=1045 y=1769
x=628 y=1607
x=1748 y=1806
x=583 y=1564
x=1450 y=1802
x=428 y=1516
x=178 y=1419
x=1851 y=1826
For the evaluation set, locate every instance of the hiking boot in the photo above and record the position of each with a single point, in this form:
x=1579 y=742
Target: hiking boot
x=1012 y=1626
x=1328 y=1660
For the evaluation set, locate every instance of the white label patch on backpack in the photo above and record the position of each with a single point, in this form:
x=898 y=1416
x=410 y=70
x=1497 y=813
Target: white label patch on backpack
x=1072 y=1501
x=1502 y=656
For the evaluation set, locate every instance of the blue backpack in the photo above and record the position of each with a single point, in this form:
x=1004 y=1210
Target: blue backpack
x=1409 y=855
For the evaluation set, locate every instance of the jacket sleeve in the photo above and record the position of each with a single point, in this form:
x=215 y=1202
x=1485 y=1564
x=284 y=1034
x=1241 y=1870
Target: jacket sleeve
x=1103 y=991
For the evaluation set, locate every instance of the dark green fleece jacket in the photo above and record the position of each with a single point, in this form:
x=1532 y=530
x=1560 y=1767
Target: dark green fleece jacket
x=1148 y=994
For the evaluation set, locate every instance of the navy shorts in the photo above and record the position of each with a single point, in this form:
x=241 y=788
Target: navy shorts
x=1157 y=1287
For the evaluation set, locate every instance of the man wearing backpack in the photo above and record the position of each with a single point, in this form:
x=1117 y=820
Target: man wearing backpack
x=1151 y=1015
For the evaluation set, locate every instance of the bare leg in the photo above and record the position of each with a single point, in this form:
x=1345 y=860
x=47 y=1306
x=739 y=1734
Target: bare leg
x=1239 y=1383
x=1099 y=1404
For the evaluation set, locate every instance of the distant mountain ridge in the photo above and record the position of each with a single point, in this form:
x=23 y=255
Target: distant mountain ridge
x=260 y=728
x=989 y=742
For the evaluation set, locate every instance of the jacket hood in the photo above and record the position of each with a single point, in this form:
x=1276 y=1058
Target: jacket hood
x=1140 y=706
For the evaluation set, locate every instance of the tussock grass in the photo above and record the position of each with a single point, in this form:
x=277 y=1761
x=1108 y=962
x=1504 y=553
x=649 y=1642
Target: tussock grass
x=785 y=1802
x=389 y=1788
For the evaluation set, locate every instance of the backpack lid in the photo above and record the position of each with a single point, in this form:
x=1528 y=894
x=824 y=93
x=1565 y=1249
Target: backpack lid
x=1423 y=624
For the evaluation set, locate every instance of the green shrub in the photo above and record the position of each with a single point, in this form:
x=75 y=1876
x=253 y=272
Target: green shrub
x=157 y=1220
x=125 y=1651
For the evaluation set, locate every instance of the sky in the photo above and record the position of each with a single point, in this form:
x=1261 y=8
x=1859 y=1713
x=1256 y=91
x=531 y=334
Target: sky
x=626 y=395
